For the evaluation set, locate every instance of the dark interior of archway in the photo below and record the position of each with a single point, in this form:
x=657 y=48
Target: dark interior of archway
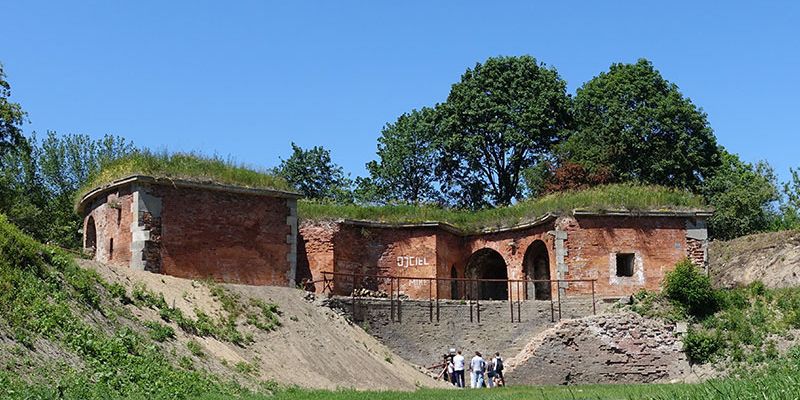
x=488 y=264
x=454 y=283
x=537 y=267
x=91 y=235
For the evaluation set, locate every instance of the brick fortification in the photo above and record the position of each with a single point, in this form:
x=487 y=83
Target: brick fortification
x=192 y=230
x=623 y=252
x=250 y=236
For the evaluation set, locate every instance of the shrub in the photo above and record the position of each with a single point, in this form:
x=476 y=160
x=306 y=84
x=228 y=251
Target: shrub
x=159 y=332
x=691 y=288
x=701 y=345
x=195 y=348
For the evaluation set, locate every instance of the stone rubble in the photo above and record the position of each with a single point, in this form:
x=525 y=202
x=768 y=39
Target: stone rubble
x=610 y=348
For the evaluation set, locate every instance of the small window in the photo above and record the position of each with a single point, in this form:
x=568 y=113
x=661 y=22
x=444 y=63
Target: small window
x=625 y=264
x=119 y=216
x=111 y=249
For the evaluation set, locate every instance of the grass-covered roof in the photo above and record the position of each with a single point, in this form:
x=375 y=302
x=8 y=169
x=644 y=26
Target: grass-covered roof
x=214 y=170
x=187 y=167
x=633 y=198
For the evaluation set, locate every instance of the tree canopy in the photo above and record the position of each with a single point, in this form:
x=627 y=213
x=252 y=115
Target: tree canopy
x=743 y=196
x=501 y=118
x=11 y=117
x=315 y=175
x=640 y=127
x=407 y=155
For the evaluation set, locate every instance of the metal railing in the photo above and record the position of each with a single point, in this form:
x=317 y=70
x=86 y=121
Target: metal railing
x=515 y=289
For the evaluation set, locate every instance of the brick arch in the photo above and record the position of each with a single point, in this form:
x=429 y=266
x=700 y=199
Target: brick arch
x=536 y=267
x=487 y=263
x=90 y=236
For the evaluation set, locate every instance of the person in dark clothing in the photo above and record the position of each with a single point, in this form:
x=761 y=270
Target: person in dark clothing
x=497 y=365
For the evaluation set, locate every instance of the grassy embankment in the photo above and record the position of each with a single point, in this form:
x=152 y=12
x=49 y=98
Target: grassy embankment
x=65 y=333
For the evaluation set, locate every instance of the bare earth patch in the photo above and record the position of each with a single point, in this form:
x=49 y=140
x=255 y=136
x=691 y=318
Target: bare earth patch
x=314 y=347
x=773 y=258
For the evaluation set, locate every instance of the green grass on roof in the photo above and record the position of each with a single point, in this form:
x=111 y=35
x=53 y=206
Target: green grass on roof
x=608 y=197
x=186 y=166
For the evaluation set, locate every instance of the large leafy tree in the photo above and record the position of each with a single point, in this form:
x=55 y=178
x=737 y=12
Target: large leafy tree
x=743 y=197
x=640 y=127
x=315 y=175
x=40 y=178
x=11 y=117
x=503 y=117
x=407 y=155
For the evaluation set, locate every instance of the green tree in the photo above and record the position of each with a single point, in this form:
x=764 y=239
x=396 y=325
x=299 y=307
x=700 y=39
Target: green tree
x=314 y=174
x=790 y=202
x=407 y=154
x=638 y=125
x=39 y=180
x=23 y=197
x=503 y=117
x=11 y=117
x=65 y=162
x=742 y=195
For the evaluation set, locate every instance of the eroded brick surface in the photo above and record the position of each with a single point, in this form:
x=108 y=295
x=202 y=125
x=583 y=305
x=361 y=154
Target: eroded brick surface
x=112 y=218
x=230 y=237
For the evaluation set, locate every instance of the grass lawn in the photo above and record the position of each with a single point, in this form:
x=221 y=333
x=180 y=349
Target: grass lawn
x=516 y=392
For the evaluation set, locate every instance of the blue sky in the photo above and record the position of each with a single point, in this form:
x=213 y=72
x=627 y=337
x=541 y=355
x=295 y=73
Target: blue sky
x=244 y=79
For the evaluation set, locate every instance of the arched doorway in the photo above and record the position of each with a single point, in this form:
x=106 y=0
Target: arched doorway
x=454 y=283
x=90 y=238
x=537 y=267
x=487 y=264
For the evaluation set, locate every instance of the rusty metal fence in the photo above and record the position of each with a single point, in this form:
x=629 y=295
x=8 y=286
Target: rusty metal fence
x=516 y=292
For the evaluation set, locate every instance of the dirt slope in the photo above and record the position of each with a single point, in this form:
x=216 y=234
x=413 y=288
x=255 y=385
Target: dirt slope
x=773 y=258
x=314 y=347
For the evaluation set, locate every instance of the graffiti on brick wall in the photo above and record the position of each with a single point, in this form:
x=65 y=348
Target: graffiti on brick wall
x=411 y=261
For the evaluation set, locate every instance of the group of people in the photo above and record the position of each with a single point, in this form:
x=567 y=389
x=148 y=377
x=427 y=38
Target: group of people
x=482 y=373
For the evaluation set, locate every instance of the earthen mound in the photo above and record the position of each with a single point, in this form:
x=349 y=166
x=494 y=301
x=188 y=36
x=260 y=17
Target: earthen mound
x=611 y=348
x=772 y=258
x=314 y=347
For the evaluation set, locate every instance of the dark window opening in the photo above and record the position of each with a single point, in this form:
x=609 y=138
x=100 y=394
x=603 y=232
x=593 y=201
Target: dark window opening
x=119 y=216
x=625 y=264
x=111 y=249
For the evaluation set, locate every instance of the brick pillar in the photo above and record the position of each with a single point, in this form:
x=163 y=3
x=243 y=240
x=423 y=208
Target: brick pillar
x=145 y=230
x=291 y=240
x=697 y=243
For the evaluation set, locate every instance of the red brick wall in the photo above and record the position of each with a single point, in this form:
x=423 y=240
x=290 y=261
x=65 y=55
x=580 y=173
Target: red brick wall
x=315 y=250
x=112 y=217
x=657 y=242
x=388 y=251
x=229 y=237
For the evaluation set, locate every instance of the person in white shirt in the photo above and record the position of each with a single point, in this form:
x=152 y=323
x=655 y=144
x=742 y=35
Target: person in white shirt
x=477 y=365
x=458 y=369
x=451 y=372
